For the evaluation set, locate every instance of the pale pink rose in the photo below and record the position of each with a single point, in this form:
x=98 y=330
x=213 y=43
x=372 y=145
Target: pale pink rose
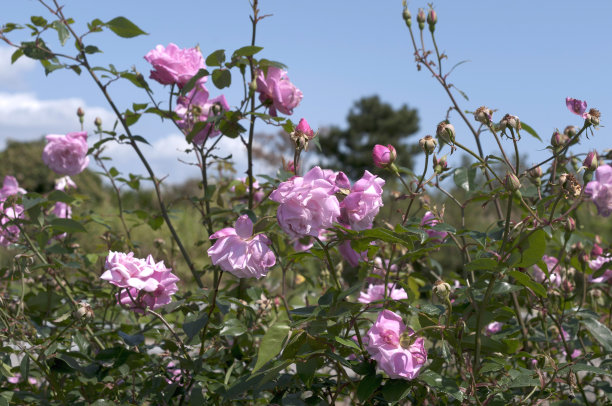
x=383 y=156
x=10 y=187
x=9 y=233
x=304 y=128
x=599 y=259
x=600 y=190
x=277 y=91
x=554 y=277
x=145 y=283
x=429 y=220
x=352 y=257
x=198 y=107
x=308 y=205
x=241 y=253
x=363 y=203
x=493 y=328
x=377 y=292
x=173 y=65
x=64 y=183
x=338 y=179
x=383 y=345
x=175 y=373
x=66 y=154
x=576 y=106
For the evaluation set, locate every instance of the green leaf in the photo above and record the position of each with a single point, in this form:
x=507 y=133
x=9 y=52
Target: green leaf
x=36 y=50
x=124 y=27
x=132 y=340
x=191 y=82
x=193 y=324
x=599 y=331
x=482 y=263
x=156 y=222
x=221 y=78
x=216 y=58
x=442 y=384
x=67 y=225
x=38 y=21
x=464 y=178
x=590 y=369
x=396 y=390
x=348 y=343
x=233 y=327
x=526 y=281
x=62 y=32
x=271 y=344
x=533 y=249
x=530 y=130
x=16 y=55
x=247 y=51
x=368 y=386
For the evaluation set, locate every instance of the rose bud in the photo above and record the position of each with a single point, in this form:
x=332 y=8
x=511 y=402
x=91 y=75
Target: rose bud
x=432 y=19
x=304 y=128
x=570 y=224
x=407 y=17
x=483 y=115
x=442 y=290
x=428 y=144
x=512 y=183
x=570 y=131
x=593 y=117
x=383 y=156
x=591 y=162
x=510 y=121
x=440 y=165
x=446 y=132
x=421 y=17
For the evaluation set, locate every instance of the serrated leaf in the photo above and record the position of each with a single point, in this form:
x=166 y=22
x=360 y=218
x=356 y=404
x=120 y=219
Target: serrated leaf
x=247 y=51
x=349 y=343
x=133 y=340
x=67 y=225
x=465 y=178
x=599 y=331
x=62 y=32
x=271 y=344
x=368 y=386
x=222 y=78
x=533 y=249
x=124 y=27
x=530 y=131
x=216 y=58
x=526 y=281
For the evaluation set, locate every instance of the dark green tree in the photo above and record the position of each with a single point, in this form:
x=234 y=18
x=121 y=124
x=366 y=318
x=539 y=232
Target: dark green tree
x=370 y=122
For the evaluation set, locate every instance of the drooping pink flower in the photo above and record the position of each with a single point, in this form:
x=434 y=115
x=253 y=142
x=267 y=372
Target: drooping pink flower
x=144 y=282
x=383 y=156
x=600 y=190
x=304 y=128
x=377 y=292
x=554 y=277
x=173 y=65
x=9 y=233
x=277 y=91
x=308 y=205
x=239 y=252
x=493 y=328
x=429 y=220
x=198 y=107
x=576 y=106
x=359 y=208
x=383 y=345
x=66 y=154
x=10 y=187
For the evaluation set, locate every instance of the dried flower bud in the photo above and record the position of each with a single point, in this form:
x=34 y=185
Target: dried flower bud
x=432 y=19
x=440 y=165
x=428 y=144
x=421 y=17
x=407 y=17
x=84 y=312
x=593 y=117
x=570 y=185
x=446 y=132
x=442 y=290
x=591 y=162
x=510 y=121
x=483 y=115
x=80 y=112
x=512 y=183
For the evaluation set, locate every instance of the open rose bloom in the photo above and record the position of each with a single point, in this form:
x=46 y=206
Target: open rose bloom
x=144 y=282
x=600 y=190
x=383 y=345
x=175 y=66
x=196 y=107
x=376 y=292
x=554 y=277
x=66 y=154
x=364 y=201
x=276 y=89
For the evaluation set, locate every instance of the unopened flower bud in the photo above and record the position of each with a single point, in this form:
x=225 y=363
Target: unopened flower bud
x=304 y=129
x=570 y=131
x=593 y=117
x=536 y=175
x=558 y=140
x=216 y=109
x=428 y=144
x=570 y=224
x=597 y=251
x=510 y=121
x=383 y=156
x=84 y=312
x=591 y=162
x=407 y=17
x=446 y=132
x=483 y=115
x=421 y=17
x=432 y=19
x=80 y=112
x=512 y=183
x=253 y=85
x=440 y=165
x=442 y=290
x=98 y=122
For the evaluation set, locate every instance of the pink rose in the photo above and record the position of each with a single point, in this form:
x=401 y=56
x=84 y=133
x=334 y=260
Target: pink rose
x=363 y=203
x=377 y=292
x=239 y=252
x=352 y=257
x=576 y=106
x=64 y=183
x=145 y=283
x=307 y=204
x=66 y=154
x=383 y=156
x=383 y=345
x=197 y=107
x=277 y=91
x=599 y=259
x=493 y=328
x=9 y=233
x=429 y=220
x=600 y=190
x=10 y=187
x=173 y=65
x=304 y=129
x=554 y=277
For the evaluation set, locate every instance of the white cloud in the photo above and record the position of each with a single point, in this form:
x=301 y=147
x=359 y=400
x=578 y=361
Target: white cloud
x=11 y=75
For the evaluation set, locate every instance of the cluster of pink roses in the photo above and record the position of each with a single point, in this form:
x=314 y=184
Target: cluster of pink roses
x=238 y=251
x=144 y=283
x=9 y=233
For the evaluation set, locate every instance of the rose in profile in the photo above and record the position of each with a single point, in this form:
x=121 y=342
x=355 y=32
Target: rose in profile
x=363 y=203
x=173 y=65
x=277 y=91
x=66 y=154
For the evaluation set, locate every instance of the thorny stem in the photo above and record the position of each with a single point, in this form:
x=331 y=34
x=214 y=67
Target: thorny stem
x=419 y=186
x=329 y=262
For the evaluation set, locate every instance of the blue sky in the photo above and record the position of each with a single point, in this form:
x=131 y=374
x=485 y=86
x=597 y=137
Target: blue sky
x=525 y=58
